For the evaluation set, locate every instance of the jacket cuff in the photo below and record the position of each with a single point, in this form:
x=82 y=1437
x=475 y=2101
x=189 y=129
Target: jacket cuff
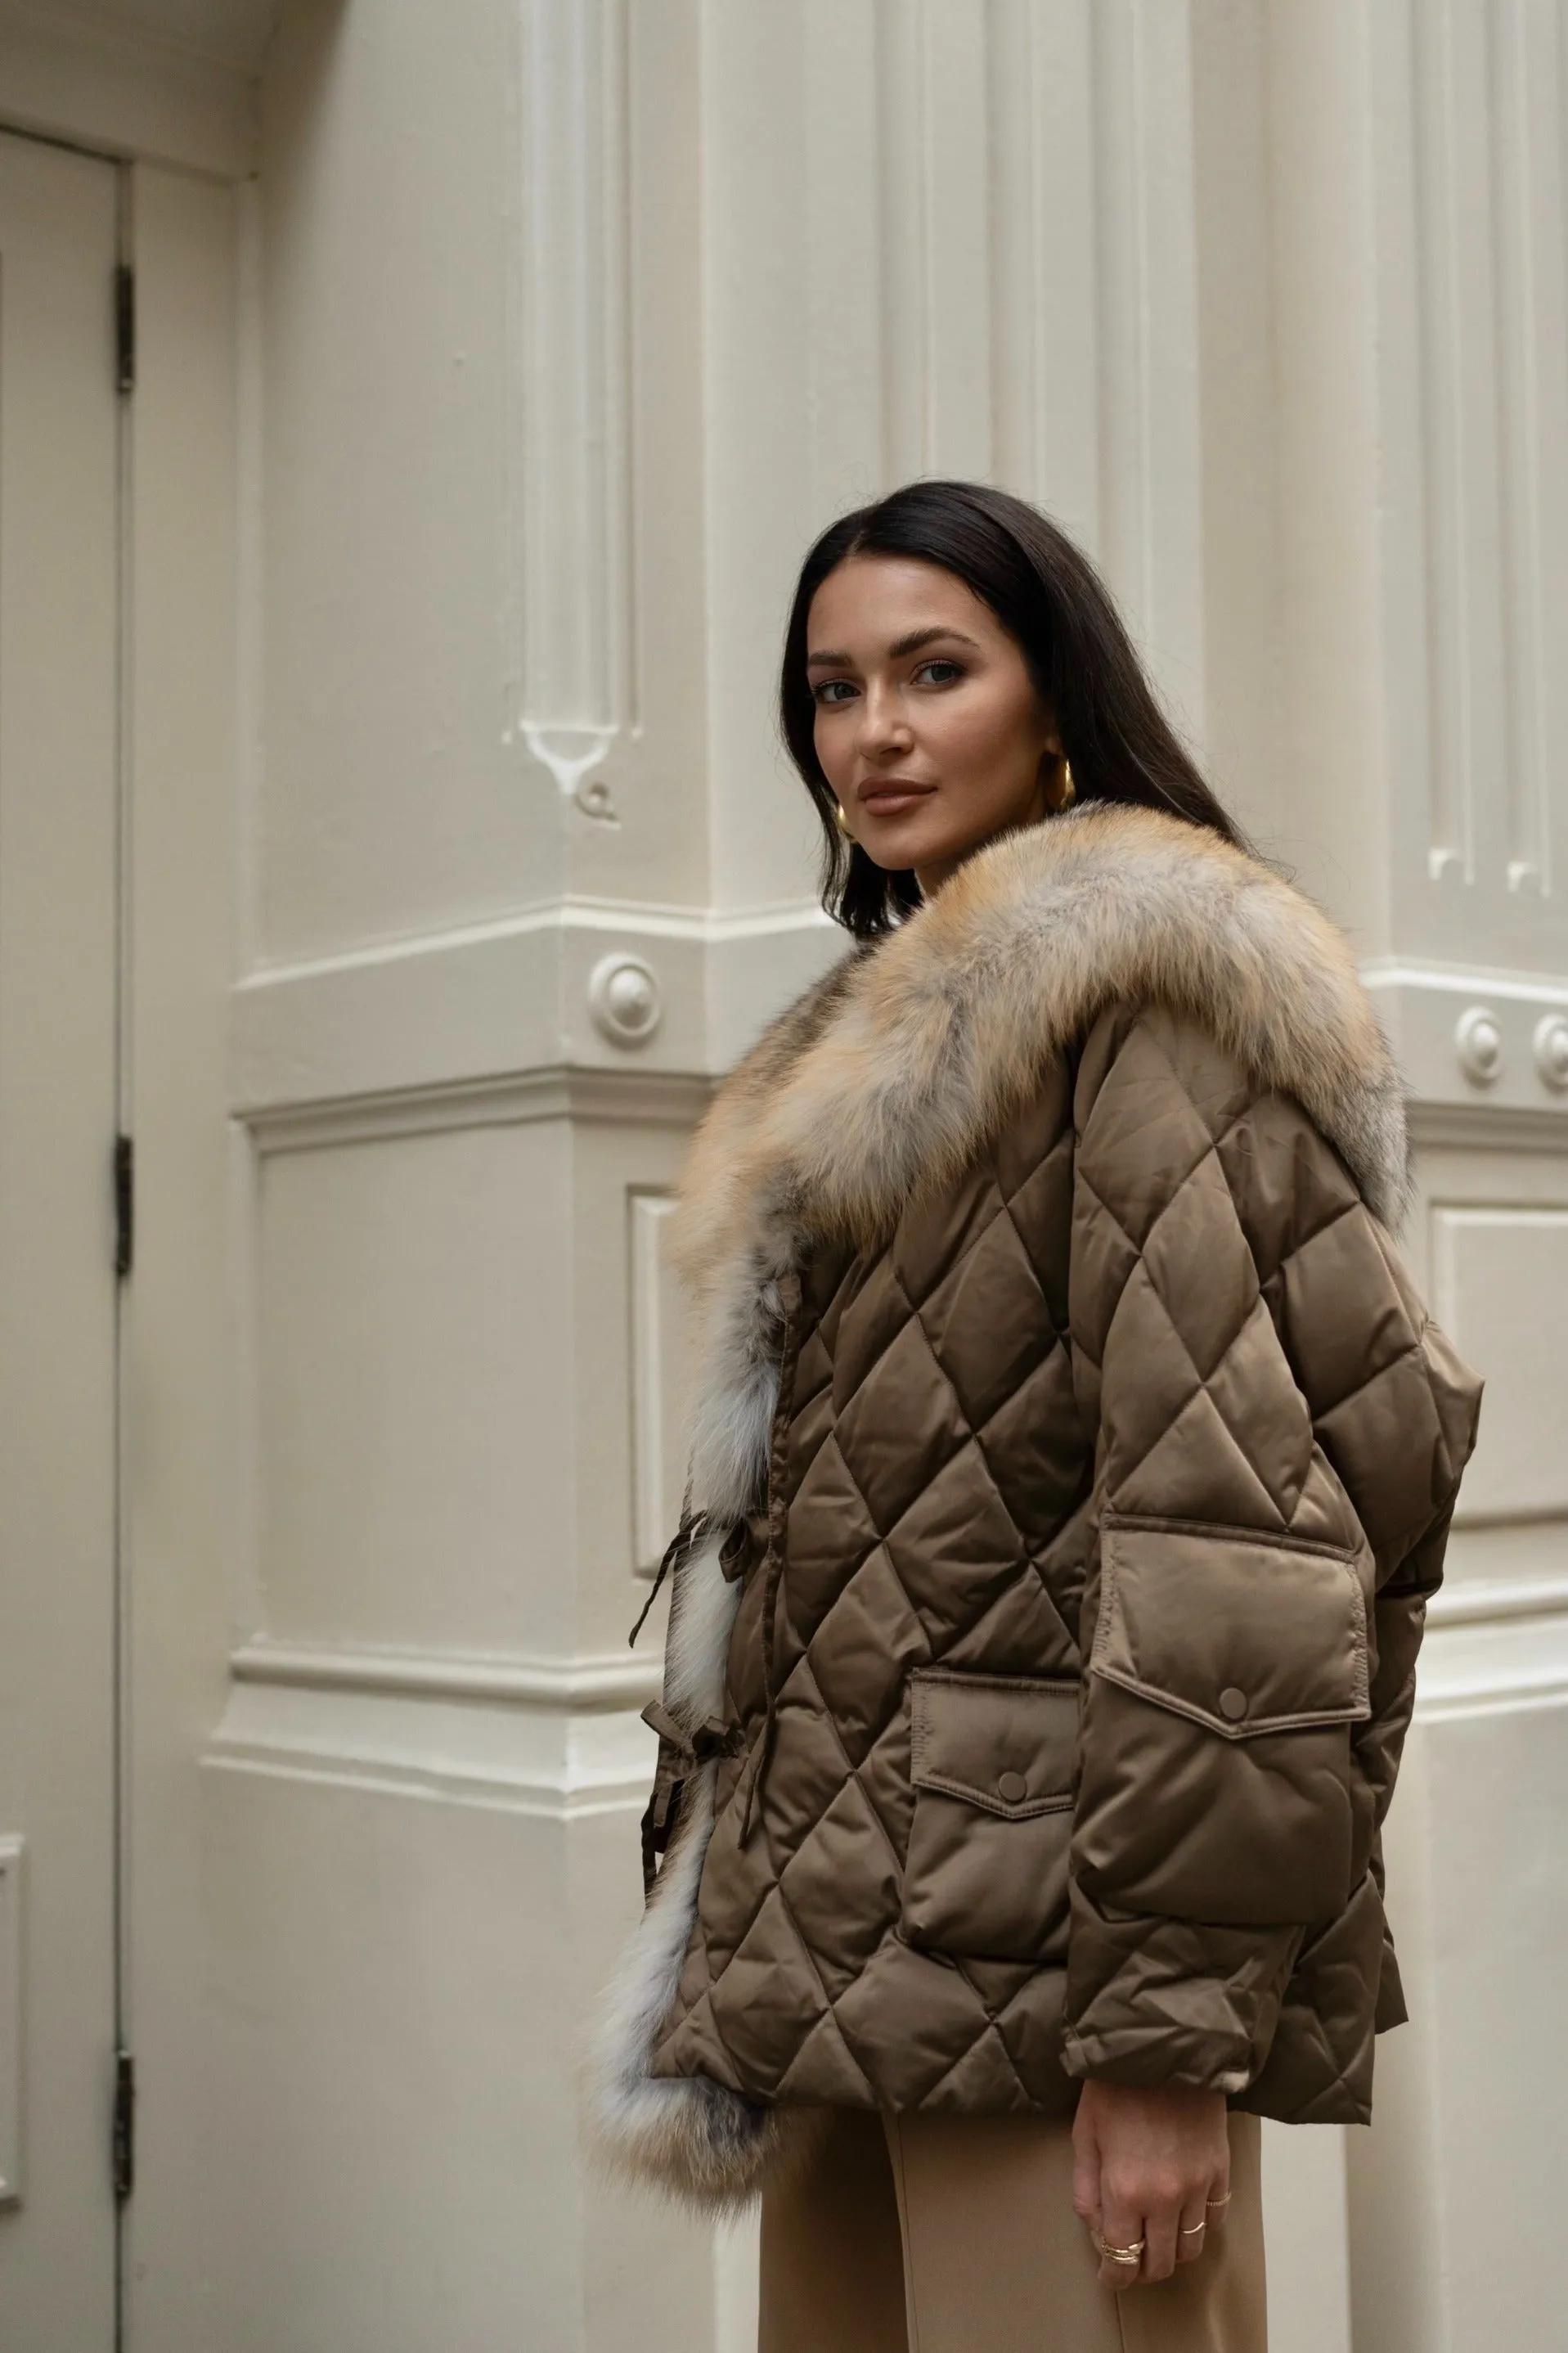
x=1153 y=2000
x=1147 y=2064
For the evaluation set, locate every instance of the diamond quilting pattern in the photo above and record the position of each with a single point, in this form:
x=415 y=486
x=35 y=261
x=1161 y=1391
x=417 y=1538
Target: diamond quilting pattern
x=950 y=1388
x=815 y=1764
x=832 y=1531
x=1214 y=1307
x=1332 y=1367
x=1040 y=1213
x=770 y=1996
x=873 y=2015
x=1030 y=1628
x=1037 y=1446
x=987 y=1323
x=873 y=1312
x=824 y=2072
x=1401 y=1491
x=939 y=1231
x=1263 y=1412
x=1197 y=1469
x=862 y=1654
x=902 y=1424
x=1141 y=1295
x=848 y=1847
x=956 y=1546
x=1148 y=1137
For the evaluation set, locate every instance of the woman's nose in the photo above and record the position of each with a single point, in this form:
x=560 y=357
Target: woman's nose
x=883 y=726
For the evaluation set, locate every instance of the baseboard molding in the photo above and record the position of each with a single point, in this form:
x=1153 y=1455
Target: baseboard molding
x=562 y=1739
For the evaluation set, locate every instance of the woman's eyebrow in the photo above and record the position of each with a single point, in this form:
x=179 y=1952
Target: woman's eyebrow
x=909 y=645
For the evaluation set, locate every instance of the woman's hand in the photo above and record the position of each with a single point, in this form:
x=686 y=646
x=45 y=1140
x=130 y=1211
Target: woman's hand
x=1151 y=2166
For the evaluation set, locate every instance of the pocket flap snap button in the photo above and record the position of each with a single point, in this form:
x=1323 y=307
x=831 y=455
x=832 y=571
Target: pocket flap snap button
x=1232 y=1703
x=1012 y=1785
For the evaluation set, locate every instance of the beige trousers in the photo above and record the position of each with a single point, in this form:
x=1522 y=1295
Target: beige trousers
x=956 y=2235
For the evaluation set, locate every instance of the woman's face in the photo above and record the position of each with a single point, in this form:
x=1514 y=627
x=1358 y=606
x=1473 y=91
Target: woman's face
x=929 y=726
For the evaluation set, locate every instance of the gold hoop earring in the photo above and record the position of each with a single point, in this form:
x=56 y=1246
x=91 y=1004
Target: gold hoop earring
x=1069 y=790
x=841 y=820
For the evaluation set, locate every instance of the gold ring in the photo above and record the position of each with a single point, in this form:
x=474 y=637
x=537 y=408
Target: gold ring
x=1132 y=2255
x=1214 y=2204
x=1192 y=2229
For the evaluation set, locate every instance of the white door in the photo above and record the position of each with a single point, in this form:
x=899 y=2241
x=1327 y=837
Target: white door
x=59 y=958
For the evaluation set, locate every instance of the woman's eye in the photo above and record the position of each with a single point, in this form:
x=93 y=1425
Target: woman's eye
x=947 y=671
x=834 y=689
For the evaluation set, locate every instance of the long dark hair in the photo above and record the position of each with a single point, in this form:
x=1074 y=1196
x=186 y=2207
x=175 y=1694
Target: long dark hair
x=1047 y=595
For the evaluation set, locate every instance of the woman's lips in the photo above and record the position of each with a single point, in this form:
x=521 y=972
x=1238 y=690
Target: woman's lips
x=891 y=799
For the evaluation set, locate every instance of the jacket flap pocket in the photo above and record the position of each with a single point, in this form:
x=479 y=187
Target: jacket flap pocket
x=1005 y=1743
x=1243 y=1632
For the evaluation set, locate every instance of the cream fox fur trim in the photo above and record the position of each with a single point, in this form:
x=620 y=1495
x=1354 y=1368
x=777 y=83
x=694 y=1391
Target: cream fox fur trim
x=896 y=1071
x=888 y=1078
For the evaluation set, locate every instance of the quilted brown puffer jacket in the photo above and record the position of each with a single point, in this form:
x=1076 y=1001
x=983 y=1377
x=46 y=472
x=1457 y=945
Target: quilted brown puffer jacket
x=1073 y=1461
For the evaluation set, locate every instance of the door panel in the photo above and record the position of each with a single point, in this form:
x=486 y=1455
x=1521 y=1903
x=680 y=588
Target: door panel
x=57 y=1088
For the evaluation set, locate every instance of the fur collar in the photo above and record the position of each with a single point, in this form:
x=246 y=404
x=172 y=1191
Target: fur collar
x=895 y=1070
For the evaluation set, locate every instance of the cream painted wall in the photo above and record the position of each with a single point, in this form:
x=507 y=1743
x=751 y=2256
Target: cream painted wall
x=499 y=362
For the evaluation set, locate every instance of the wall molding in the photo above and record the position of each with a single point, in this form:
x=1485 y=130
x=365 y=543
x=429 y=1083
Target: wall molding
x=479 y=1022
x=1494 y=1647
x=1451 y=1690
x=651 y=918
x=1486 y=1128
x=1401 y=971
x=514 y=997
x=587 y=1684
x=555 y=1739
x=1424 y=1009
x=617 y=1098
x=1492 y=1603
x=377 y=1776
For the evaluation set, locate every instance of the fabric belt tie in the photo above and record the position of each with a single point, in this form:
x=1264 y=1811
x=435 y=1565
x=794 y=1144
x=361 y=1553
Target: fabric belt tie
x=681 y=1754
x=678 y=1755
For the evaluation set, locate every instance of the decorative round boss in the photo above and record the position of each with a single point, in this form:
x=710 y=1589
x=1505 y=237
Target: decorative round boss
x=1478 y=1039
x=625 y=999
x=1551 y=1051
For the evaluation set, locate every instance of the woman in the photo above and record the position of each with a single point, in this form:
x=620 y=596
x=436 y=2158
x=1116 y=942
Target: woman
x=1073 y=1459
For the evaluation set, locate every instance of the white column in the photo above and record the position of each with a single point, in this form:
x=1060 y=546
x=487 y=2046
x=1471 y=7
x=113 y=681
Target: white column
x=467 y=1043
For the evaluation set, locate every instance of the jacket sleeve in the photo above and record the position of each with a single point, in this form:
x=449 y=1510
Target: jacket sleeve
x=1279 y=1433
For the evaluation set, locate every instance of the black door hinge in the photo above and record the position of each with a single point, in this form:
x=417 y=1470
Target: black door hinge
x=123 y=2143
x=124 y=1203
x=125 y=327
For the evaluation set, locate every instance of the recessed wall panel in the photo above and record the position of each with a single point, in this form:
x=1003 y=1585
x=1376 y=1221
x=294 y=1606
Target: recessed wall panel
x=415 y=1420
x=1499 y=2042
x=659 y=1371
x=1500 y=1291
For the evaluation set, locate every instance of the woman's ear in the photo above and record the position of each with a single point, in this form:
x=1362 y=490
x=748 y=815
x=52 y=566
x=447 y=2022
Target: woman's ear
x=1056 y=788
x=1051 y=754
